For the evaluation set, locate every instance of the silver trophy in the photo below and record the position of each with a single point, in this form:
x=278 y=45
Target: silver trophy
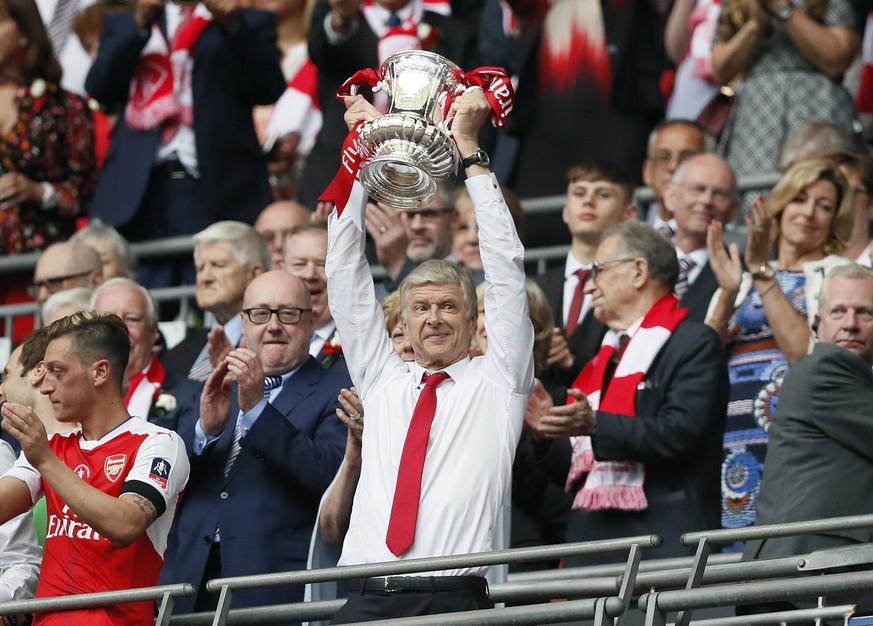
x=405 y=152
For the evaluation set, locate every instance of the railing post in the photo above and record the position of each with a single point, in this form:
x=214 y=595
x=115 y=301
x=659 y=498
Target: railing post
x=223 y=607
x=626 y=591
x=695 y=577
x=165 y=610
x=654 y=615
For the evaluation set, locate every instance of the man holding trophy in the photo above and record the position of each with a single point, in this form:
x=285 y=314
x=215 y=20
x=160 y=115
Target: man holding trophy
x=442 y=429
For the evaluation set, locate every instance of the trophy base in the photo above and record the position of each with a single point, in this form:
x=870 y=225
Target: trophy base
x=404 y=158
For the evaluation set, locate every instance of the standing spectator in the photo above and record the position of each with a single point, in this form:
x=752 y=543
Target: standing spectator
x=858 y=169
x=268 y=443
x=112 y=488
x=349 y=36
x=818 y=461
x=792 y=57
x=472 y=408
x=116 y=256
x=640 y=444
x=594 y=60
x=807 y=219
x=184 y=157
x=275 y=222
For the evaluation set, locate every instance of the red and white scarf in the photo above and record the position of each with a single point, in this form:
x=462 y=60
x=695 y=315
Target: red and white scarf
x=160 y=93
x=144 y=387
x=619 y=484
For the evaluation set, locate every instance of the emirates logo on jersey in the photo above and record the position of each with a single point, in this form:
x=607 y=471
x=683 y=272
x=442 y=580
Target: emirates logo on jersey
x=114 y=466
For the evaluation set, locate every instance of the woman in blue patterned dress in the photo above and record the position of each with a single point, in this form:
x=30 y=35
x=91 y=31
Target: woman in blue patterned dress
x=764 y=314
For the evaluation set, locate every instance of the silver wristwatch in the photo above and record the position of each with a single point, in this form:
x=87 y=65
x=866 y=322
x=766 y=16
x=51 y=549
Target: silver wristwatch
x=783 y=10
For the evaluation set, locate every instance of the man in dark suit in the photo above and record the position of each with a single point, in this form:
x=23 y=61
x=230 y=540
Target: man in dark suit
x=668 y=418
x=703 y=189
x=599 y=196
x=819 y=459
x=182 y=158
x=349 y=35
x=260 y=458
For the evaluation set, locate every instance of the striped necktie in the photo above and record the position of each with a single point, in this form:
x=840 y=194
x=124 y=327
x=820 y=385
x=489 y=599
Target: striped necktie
x=270 y=383
x=686 y=264
x=60 y=28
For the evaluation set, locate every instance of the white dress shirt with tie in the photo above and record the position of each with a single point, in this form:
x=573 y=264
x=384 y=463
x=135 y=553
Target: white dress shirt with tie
x=479 y=412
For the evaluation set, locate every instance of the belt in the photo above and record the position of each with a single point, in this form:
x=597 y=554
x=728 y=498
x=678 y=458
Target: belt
x=392 y=584
x=171 y=169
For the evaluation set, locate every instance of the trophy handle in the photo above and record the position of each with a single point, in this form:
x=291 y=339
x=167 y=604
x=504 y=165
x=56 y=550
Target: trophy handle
x=361 y=77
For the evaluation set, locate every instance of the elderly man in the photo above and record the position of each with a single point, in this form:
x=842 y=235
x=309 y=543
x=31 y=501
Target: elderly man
x=819 y=463
x=111 y=488
x=703 y=189
x=670 y=143
x=148 y=380
x=275 y=222
x=469 y=410
x=227 y=256
x=305 y=255
x=64 y=266
x=265 y=443
x=641 y=445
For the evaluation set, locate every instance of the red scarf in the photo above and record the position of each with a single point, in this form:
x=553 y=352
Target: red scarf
x=160 y=93
x=156 y=376
x=619 y=484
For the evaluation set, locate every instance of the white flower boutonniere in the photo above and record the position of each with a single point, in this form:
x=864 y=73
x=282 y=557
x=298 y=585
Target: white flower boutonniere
x=164 y=404
x=37 y=88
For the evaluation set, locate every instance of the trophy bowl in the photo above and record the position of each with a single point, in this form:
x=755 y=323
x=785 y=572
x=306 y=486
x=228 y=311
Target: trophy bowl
x=407 y=151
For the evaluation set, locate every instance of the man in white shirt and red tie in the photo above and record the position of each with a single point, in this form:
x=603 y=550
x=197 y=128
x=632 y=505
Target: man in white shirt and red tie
x=464 y=463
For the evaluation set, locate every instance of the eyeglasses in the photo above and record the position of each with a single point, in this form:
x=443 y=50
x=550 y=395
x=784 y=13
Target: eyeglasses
x=288 y=315
x=663 y=157
x=597 y=267
x=428 y=215
x=53 y=285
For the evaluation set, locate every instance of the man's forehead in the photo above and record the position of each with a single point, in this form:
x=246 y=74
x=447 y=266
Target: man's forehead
x=431 y=289
x=680 y=137
x=595 y=183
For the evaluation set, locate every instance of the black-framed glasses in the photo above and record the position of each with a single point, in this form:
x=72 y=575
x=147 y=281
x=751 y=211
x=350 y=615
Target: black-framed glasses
x=286 y=315
x=597 y=266
x=428 y=215
x=53 y=285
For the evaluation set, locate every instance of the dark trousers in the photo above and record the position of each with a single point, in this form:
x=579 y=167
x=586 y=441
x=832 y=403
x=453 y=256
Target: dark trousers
x=368 y=606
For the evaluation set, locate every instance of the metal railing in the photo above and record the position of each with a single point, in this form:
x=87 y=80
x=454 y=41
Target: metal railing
x=164 y=593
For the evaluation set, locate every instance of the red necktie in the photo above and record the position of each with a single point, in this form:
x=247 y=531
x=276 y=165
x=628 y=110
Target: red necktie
x=576 y=304
x=407 y=493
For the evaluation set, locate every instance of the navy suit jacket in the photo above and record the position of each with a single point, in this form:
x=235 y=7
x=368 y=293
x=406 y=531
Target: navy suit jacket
x=266 y=507
x=232 y=73
x=699 y=294
x=676 y=433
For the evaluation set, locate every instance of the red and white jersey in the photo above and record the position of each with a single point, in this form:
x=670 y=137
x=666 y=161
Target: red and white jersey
x=136 y=457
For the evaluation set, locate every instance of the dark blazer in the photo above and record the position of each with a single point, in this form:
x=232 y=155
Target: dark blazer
x=266 y=508
x=181 y=357
x=232 y=73
x=455 y=40
x=819 y=459
x=700 y=293
x=677 y=433
x=585 y=341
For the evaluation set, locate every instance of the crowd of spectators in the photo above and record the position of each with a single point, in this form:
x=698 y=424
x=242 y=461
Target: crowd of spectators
x=218 y=122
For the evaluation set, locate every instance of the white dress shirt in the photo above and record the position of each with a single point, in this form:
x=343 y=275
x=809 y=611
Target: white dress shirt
x=320 y=336
x=700 y=258
x=479 y=414
x=20 y=557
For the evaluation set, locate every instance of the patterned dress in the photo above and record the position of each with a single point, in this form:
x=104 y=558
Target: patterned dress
x=53 y=141
x=756 y=366
x=780 y=90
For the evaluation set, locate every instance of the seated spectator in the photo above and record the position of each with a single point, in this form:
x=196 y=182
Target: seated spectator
x=639 y=445
x=148 y=381
x=819 y=463
x=465 y=234
x=184 y=156
x=122 y=510
x=115 y=253
x=64 y=266
x=305 y=254
x=227 y=256
x=64 y=303
x=275 y=222
x=858 y=169
x=764 y=314
x=809 y=140
x=270 y=443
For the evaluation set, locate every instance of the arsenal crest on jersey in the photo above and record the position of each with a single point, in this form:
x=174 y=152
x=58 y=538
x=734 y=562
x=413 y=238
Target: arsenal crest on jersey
x=114 y=466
